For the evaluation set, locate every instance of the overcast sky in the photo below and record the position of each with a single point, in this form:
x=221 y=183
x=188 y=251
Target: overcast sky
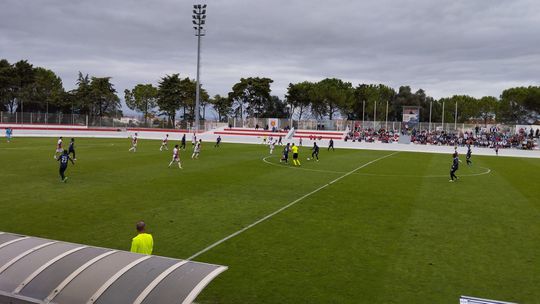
x=476 y=47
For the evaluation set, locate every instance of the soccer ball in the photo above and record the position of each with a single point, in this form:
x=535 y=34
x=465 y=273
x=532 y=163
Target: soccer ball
x=308 y=158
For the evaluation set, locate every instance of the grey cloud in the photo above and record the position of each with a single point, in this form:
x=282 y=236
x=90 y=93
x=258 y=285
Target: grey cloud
x=445 y=47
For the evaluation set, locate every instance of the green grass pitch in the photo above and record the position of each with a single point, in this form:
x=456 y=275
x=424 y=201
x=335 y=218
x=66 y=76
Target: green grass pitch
x=395 y=231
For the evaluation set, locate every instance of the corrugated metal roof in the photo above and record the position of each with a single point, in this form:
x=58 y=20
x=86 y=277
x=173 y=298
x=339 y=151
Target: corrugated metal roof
x=35 y=270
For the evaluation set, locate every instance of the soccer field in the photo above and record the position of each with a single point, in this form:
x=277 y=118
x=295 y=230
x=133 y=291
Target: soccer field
x=361 y=227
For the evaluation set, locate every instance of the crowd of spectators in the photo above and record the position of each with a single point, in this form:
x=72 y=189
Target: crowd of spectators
x=478 y=137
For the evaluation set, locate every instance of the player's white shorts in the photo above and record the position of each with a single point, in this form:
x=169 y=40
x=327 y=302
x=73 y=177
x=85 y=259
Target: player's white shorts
x=58 y=150
x=176 y=159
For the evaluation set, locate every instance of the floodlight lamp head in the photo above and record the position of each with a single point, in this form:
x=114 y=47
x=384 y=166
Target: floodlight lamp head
x=203 y=11
x=194 y=22
x=194 y=11
x=203 y=22
x=194 y=6
x=198 y=6
x=194 y=16
x=204 y=6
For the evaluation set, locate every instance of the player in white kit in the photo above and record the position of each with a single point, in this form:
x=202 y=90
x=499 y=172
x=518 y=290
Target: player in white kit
x=176 y=157
x=197 y=150
x=59 y=148
x=133 y=143
x=164 y=143
x=272 y=146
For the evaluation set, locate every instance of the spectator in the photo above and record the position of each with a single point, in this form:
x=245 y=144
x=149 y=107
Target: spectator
x=143 y=243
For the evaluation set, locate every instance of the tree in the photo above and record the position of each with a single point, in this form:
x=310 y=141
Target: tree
x=298 y=96
x=222 y=106
x=250 y=95
x=48 y=90
x=105 y=102
x=275 y=108
x=487 y=107
x=142 y=98
x=22 y=85
x=170 y=96
x=7 y=86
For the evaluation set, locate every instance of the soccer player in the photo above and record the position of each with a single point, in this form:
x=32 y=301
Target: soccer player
x=455 y=167
x=331 y=145
x=264 y=140
x=218 y=141
x=9 y=133
x=64 y=159
x=72 y=148
x=59 y=148
x=183 y=145
x=176 y=157
x=300 y=142
x=295 y=160
x=133 y=143
x=469 y=153
x=197 y=150
x=272 y=145
x=315 y=151
x=497 y=149
x=143 y=243
x=285 y=156
x=194 y=140
x=280 y=142
x=164 y=143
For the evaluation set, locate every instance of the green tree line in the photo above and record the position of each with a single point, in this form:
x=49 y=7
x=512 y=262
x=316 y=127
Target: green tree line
x=24 y=87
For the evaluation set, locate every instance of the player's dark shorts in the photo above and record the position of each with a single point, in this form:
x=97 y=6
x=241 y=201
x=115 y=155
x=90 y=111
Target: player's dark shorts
x=295 y=156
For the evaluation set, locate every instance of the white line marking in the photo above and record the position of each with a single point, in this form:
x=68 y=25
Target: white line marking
x=45 y=266
x=487 y=171
x=156 y=281
x=115 y=277
x=195 y=292
x=286 y=206
x=74 y=274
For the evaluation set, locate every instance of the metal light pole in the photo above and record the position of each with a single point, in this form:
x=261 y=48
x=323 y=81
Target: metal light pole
x=455 y=118
x=443 y=115
x=386 y=124
x=199 y=19
x=430 y=108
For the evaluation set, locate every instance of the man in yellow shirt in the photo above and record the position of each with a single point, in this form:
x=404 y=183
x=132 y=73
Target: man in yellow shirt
x=295 y=159
x=143 y=243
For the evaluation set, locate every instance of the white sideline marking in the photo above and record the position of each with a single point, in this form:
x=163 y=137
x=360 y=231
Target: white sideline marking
x=286 y=206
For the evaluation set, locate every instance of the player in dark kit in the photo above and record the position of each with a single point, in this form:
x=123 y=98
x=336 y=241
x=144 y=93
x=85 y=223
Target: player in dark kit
x=285 y=155
x=64 y=159
x=315 y=151
x=183 y=145
x=469 y=153
x=331 y=145
x=72 y=148
x=218 y=141
x=455 y=167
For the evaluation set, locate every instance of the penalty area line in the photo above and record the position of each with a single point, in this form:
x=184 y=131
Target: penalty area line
x=286 y=207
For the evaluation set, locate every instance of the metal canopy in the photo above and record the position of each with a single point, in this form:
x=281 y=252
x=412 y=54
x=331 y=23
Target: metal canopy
x=38 y=271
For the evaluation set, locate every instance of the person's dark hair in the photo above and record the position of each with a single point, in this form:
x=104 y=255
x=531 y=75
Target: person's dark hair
x=140 y=226
x=176 y=146
x=72 y=139
x=65 y=152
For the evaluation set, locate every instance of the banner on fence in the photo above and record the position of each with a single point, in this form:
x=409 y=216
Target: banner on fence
x=273 y=123
x=411 y=117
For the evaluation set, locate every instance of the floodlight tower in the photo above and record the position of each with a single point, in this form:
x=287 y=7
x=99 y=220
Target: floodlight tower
x=199 y=19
